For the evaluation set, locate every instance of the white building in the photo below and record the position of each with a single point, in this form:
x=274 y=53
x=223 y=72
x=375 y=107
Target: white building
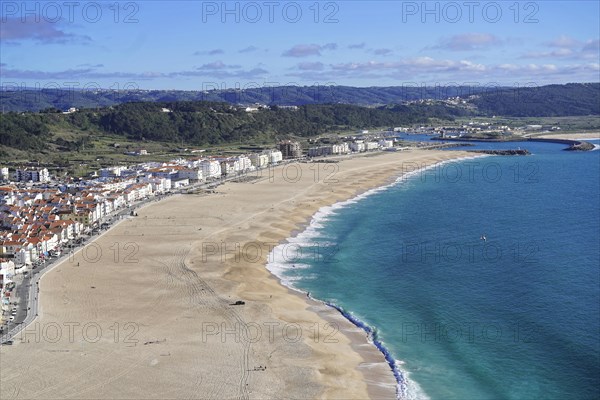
x=117 y=200
x=230 y=166
x=180 y=183
x=357 y=146
x=112 y=172
x=341 y=148
x=259 y=160
x=4 y=175
x=7 y=270
x=210 y=168
x=320 y=151
x=533 y=127
x=159 y=185
x=275 y=156
x=34 y=175
x=191 y=174
x=165 y=173
x=371 y=146
x=136 y=192
x=245 y=163
x=384 y=144
x=7 y=267
x=25 y=254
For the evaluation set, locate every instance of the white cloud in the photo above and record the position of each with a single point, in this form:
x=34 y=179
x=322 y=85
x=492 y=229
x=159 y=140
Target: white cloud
x=468 y=42
x=307 y=50
x=564 y=41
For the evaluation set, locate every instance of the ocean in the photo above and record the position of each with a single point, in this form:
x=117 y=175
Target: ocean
x=479 y=277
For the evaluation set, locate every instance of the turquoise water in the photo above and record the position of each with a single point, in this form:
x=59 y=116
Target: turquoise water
x=513 y=317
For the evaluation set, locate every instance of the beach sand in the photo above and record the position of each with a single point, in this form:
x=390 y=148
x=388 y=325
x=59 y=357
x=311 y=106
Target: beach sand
x=571 y=136
x=145 y=311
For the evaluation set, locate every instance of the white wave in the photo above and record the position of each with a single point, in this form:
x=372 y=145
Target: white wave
x=409 y=389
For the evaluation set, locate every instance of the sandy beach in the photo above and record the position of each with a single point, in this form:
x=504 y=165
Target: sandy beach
x=571 y=136
x=147 y=310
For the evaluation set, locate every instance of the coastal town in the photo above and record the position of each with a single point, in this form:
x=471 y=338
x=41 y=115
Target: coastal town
x=43 y=216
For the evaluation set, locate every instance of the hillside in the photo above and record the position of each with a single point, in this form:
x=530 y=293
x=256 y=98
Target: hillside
x=36 y=100
x=544 y=101
x=201 y=123
x=553 y=100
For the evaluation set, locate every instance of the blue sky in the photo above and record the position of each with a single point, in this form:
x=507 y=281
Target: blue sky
x=196 y=45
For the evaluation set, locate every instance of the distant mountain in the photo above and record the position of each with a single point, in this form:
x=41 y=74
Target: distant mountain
x=543 y=101
x=36 y=100
x=551 y=100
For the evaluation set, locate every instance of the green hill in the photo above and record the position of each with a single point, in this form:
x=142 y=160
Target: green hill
x=203 y=123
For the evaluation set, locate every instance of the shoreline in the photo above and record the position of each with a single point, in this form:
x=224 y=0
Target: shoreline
x=162 y=291
x=370 y=331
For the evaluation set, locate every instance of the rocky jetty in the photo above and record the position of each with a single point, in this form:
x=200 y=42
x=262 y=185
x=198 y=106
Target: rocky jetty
x=513 y=152
x=574 y=145
x=580 y=146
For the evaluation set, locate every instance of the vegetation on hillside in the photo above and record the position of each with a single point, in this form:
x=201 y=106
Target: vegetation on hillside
x=205 y=123
x=532 y=100
x=544 y=101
